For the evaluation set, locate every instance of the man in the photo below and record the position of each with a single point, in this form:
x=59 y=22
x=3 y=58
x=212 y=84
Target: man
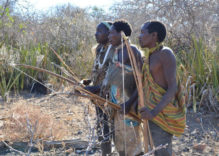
x=104 y=53
x=164 y=104
x=121 y=83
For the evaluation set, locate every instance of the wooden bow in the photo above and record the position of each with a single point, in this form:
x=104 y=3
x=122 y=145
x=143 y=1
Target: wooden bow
x=148 y=141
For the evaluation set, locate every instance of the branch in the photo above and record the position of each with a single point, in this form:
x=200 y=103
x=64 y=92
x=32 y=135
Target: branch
x=22 y=153
x=32 y=132
x=155 y=149
x=66 y=66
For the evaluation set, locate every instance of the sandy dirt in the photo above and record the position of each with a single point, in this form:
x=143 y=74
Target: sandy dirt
x=79 y=117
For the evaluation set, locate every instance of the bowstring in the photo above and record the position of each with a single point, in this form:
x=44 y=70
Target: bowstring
x=123 y=80
x=123 y=93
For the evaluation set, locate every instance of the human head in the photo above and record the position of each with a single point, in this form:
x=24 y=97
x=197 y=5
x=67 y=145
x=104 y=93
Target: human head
x=115 y=31
x=102 y=32
x=152 y=32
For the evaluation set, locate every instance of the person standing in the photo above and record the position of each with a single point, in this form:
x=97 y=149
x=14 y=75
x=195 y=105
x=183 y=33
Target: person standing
x=103 y=57
x=164 y=102
x=120 y=84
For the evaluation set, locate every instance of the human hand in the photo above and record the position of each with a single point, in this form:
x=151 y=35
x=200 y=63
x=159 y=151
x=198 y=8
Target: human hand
x=146 y=114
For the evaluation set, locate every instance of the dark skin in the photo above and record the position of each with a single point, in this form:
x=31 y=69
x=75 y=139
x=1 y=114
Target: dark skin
x=115 y=40
x=162 y=66
x=101 y=36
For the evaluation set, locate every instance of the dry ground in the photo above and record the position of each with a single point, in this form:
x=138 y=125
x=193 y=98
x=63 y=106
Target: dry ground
x=77 y=116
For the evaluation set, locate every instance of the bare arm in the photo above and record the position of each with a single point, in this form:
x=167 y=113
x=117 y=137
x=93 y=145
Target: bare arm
x=168 y=64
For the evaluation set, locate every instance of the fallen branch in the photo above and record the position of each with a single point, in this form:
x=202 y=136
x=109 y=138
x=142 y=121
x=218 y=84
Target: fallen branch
x=47 y=145
x=68 y=143
x=22 y=153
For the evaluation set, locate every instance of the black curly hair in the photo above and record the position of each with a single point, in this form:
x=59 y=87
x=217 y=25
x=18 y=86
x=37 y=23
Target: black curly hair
x=123 y=25
x=156 y=26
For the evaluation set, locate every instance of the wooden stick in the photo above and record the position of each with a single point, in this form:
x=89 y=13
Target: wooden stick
x=11 y=148
x=67 y=67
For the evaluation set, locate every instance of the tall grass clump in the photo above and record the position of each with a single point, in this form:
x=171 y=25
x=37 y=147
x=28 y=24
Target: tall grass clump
x=10 y=77
x=39 y=55
x=202 y=72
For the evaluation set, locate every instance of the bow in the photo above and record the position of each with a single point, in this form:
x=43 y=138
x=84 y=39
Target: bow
x=138 y=79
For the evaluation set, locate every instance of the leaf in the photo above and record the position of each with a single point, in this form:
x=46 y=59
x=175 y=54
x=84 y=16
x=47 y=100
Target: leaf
x=11 y=19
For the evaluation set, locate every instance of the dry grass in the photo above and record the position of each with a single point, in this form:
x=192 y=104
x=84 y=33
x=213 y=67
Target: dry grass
x=56 y=117
x=25 y=121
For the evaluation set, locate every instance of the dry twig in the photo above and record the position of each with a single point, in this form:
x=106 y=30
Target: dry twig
x=22 y=153
x=155 y=149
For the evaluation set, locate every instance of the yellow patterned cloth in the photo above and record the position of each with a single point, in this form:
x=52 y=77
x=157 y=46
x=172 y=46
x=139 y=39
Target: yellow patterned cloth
x=172 y=118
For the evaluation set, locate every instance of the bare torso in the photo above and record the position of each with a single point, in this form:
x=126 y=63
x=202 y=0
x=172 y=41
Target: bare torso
x=162 y=66
x=157 y=61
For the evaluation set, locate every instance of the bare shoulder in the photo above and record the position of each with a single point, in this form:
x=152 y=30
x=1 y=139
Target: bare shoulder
x=167 y=55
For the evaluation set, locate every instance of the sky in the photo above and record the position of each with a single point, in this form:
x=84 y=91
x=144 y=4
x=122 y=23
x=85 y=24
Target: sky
x=42 y=5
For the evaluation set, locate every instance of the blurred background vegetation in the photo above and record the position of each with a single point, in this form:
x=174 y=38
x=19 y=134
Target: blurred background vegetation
x=193 y=34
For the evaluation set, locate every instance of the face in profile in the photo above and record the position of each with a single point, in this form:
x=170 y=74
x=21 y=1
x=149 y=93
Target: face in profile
x=114 y=37
x=101 y=34
x=145 y=37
